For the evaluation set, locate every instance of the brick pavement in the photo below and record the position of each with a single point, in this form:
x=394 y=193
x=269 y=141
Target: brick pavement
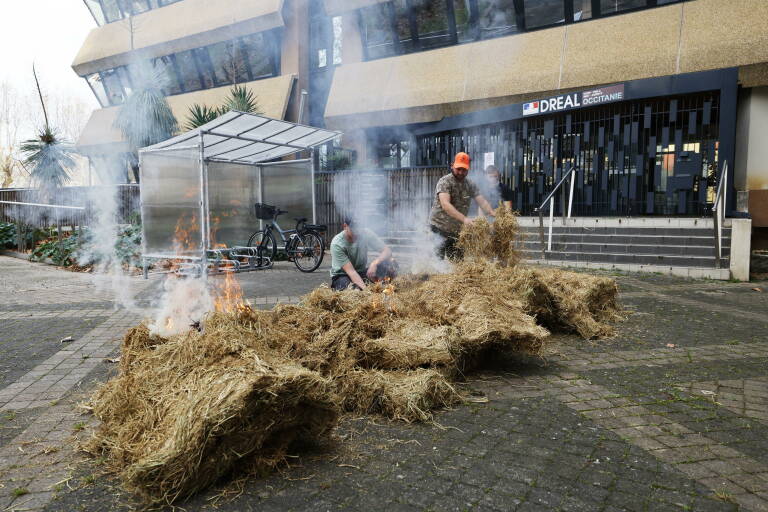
x=621 y=424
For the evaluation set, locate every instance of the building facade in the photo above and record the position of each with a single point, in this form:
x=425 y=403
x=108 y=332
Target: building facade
x=648 y=99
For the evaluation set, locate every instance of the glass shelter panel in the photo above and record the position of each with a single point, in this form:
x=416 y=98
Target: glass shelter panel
x=289 y=187
x=171 y=202
x=233 y=189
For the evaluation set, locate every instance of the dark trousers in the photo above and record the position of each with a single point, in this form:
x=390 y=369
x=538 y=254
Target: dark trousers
x=446 y=247
x=387 y=268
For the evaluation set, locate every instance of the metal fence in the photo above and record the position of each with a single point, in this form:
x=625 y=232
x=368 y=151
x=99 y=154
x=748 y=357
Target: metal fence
x=400 y=198
x=392 y=199
x=68 y=206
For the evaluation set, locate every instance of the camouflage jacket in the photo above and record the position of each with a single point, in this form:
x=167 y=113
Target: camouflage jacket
x=461 y=193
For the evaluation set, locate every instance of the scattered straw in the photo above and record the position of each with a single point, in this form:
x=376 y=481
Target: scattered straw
x=185 y=410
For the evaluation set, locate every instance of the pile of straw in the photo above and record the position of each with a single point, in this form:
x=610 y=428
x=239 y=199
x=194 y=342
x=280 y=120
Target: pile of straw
x=185 y=410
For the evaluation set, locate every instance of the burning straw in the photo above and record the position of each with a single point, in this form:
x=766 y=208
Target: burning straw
x=186 y=409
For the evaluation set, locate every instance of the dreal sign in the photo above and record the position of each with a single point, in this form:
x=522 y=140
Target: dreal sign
x=575 y=100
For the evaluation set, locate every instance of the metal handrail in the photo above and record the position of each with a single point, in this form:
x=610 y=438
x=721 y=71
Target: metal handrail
x=718 y=213
x=551 y=199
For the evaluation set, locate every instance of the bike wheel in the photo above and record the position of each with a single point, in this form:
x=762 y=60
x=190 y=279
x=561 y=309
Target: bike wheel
x=265 y=242
x=308 y=252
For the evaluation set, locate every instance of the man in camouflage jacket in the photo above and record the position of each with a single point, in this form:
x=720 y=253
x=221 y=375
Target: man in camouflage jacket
x=453 y=194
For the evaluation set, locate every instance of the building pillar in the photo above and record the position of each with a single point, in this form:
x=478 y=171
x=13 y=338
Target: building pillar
x=741 y=251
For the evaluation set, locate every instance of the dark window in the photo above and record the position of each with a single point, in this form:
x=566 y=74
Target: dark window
x=98 y=14
x=540 y=13
x=166 y=74
x=465 y=14
x=497 y=17
x=613 y=6
x=113 y=86
x=188 y=71
x=404 y=26
x=258 y=53
x=582 y=10
x=431 y=18
x=112 y=10
x=376 y=27
x=97 y=86
x=108 y=11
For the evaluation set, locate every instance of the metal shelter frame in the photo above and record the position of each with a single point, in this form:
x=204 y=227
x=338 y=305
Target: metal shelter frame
x=235 y=138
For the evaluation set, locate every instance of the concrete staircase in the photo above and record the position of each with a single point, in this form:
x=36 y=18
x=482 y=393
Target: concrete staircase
x=674 y=246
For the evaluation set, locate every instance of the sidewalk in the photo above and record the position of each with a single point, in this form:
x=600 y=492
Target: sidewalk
x=630 y=423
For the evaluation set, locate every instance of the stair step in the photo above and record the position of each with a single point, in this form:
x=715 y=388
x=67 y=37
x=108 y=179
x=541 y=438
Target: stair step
x=638 y=259
x=626 y=231
x=680 y=271
x=640 y=249
x=628 y=239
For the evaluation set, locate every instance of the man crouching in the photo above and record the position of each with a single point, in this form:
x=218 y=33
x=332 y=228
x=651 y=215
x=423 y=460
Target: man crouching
x=349 y=258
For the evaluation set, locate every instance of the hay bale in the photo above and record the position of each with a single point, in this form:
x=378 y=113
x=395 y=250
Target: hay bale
x=185 y=412
x=410 y=345
x=401 y=395
x=495 y=241
x=570 y=302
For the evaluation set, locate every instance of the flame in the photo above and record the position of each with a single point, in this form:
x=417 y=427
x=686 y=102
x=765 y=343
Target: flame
x=229 y=295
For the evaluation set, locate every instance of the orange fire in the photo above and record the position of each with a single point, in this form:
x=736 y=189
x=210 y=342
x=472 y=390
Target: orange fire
x=229 y=295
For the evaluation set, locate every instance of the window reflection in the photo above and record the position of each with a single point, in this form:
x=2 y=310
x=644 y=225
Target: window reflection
x=540 y=13
x=496 y=17
x=109 y=11
x=611 y=6
x=377 y=31
x=403 y=26
x=243 y=60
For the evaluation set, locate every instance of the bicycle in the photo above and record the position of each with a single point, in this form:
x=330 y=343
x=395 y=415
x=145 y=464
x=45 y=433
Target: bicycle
x=303 y=245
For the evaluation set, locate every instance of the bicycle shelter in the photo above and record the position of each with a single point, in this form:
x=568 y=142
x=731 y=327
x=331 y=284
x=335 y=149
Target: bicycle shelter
x=198 y=189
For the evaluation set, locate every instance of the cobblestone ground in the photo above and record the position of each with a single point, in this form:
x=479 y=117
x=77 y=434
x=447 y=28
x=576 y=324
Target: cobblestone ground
x=671 y=414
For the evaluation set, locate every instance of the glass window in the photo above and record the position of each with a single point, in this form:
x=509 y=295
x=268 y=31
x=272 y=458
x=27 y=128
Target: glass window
x=432 y=23
x=166 y=74
x=189 y=76
x=540 y=13
x=112 y=10
x=125 y=79
x=465 y=12
x=377 y=31
x=227 y=61
x=497 y=17
x=611 y=6
x=258 y=55
x=113 y=87
x=95 y=7
x=403 y=26
x=338 y=38
x=136 y=6
x=582 y=10
x=97 y=86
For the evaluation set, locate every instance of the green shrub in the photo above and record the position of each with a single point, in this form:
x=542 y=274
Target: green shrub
x=78 y=248
x=7 y=235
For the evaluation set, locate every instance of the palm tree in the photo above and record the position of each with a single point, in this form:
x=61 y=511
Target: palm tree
x=240 y=98
x=49 y=157
x=145 y=117
x=199 y=115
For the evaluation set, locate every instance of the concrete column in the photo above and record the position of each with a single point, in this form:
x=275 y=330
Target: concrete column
x=741 y=250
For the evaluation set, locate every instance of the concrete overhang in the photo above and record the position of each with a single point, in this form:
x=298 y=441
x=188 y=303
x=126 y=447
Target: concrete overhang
x=100 y=136
x=175 y=28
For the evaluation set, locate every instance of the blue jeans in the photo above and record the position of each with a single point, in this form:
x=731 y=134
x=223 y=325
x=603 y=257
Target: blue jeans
x=387 y=268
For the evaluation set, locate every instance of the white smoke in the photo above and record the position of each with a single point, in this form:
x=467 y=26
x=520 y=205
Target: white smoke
x=183 y=303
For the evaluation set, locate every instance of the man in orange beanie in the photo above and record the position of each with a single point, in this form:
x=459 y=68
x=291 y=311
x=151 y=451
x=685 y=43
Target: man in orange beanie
x=453 y=194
